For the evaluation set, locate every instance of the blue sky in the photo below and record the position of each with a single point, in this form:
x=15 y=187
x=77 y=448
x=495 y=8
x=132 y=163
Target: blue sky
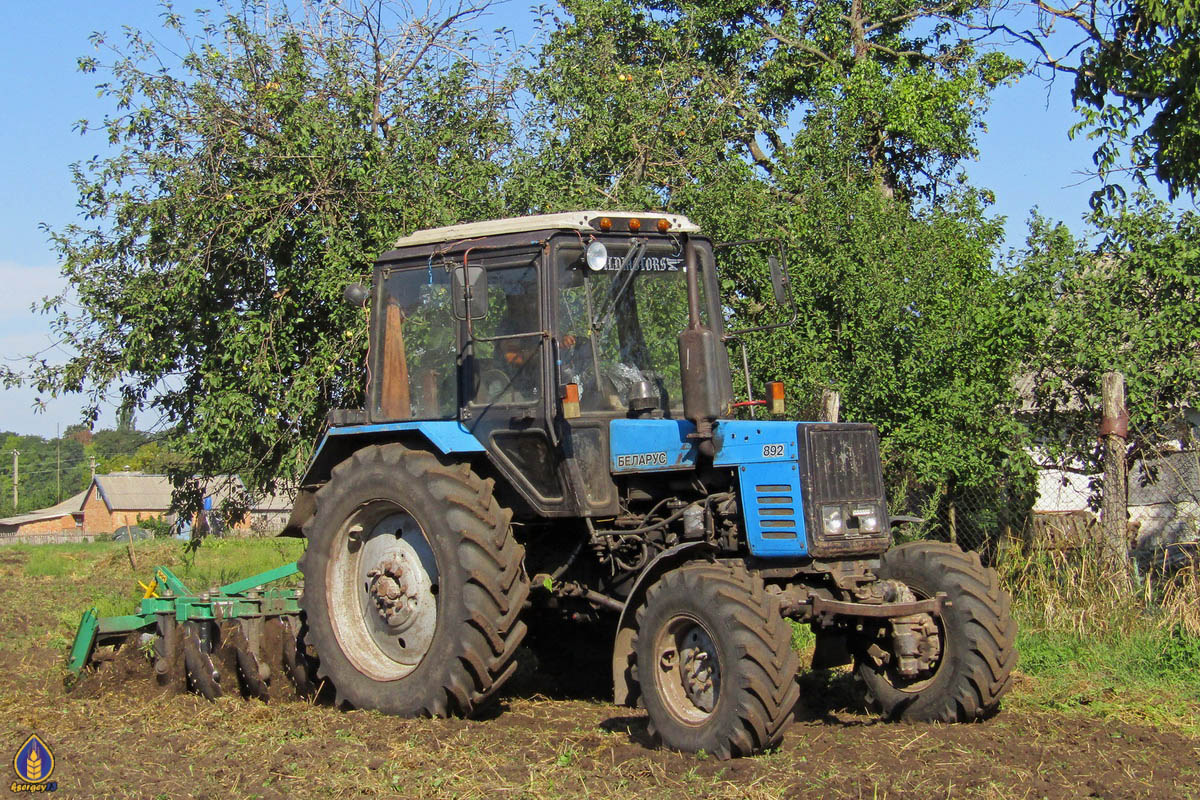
x=1026 y=159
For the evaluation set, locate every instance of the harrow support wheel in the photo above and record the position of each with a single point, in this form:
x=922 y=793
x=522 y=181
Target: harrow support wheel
x=977 y=633
x=714 y=661
x=413 y=584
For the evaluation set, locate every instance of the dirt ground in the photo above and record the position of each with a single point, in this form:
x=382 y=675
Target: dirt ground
x=122 y=737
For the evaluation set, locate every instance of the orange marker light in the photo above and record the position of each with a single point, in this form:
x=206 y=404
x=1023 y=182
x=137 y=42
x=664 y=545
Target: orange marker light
x=664 y=225
x=635 y=225
x=605 y=224
x=775 y=397
x=570 y=400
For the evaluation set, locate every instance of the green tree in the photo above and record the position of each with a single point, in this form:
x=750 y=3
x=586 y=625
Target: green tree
x=640 y=99
x=1136 y=69
x=841 y=129
x=49 y=470
x=263 y=158
x=1126 y=303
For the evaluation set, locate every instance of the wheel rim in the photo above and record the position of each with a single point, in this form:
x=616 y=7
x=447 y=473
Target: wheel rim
x=381 y=590
x=687 y=669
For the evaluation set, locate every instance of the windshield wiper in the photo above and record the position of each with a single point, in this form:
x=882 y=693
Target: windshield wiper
x=631 y=266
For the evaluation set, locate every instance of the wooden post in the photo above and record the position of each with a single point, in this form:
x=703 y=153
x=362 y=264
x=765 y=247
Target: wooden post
x=831 y=403
x=953 y=515
x=1114 y=427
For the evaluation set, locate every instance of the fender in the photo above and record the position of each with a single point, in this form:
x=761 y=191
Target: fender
x=447 y=436
x=625 y=686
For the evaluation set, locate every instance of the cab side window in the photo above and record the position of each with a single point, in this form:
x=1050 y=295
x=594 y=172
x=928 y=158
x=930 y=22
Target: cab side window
x=508 y=342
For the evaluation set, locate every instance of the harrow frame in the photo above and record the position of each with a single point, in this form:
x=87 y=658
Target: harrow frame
x=170 y=596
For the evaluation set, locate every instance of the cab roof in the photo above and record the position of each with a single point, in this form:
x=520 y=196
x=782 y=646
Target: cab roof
x=568 y=220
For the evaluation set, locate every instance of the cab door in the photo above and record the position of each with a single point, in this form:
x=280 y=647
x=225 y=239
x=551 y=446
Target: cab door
x=507 y=399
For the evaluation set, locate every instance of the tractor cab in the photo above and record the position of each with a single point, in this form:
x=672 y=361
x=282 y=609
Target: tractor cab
x=534 y=334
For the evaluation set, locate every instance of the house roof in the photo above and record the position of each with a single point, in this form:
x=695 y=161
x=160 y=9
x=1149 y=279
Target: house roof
x=281 y=500
x=139 y=491
x=571 y=220
x=72 y=505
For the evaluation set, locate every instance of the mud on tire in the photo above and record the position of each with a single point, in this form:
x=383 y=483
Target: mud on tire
x=478 y=588
x=978 y=638
x=726 y=608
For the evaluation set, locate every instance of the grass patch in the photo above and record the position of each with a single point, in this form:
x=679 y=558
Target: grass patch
x=1105 y=644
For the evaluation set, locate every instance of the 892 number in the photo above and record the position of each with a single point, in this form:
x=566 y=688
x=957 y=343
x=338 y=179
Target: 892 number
x=774 y=450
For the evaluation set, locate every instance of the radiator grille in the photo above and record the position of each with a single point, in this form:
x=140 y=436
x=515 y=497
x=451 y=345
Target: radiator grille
x=845 y=465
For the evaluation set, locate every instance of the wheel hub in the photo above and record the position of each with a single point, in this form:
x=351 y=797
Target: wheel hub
x=698 y=672
x=382 y=591
x=691 y=672
x=394 y=594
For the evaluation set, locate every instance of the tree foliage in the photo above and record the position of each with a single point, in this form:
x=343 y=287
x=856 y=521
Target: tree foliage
x=642 y=99
x=839 y=128
x=262 y=159
x=1136 y=68
x=1126 y=303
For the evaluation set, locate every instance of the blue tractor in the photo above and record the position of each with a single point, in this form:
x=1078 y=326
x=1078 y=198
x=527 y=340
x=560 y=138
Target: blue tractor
x=550 y=427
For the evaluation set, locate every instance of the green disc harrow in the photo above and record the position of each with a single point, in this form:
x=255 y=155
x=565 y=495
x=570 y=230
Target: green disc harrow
x=242 y=636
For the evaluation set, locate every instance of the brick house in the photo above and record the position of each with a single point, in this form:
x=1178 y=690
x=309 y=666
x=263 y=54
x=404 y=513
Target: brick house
x=62 y=522
x=125 y=498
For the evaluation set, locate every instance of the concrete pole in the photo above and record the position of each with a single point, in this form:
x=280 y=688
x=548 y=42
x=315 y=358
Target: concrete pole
x=16 y=477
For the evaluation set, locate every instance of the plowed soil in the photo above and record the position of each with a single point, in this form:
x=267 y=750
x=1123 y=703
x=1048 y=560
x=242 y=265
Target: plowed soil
x=118 y=735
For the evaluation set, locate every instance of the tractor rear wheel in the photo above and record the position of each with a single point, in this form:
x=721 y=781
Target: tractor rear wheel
x=412 y=584
x=976 y=631
x=714 y=661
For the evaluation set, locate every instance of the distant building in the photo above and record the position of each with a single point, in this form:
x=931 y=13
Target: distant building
x=127 y=498
x=59 y=523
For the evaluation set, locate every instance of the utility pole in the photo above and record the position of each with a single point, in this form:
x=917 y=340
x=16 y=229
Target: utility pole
x=93 y=459
x=16 y=477
x=58 y=474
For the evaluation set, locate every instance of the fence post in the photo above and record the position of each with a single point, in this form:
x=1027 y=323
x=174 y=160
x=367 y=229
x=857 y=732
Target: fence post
x=953 y=516
x=831 y=403
x=1114 y=427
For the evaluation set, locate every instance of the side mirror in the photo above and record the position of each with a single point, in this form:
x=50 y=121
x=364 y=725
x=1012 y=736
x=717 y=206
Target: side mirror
x=356 y=295
x=469 y=292
x=779 y=280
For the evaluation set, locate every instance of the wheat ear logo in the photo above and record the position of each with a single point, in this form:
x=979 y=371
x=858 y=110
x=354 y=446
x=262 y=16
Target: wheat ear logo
x=34 y=764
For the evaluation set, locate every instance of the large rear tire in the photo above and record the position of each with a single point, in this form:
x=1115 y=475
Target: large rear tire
x=977 y=632
x=714 y=661
x=413 y=584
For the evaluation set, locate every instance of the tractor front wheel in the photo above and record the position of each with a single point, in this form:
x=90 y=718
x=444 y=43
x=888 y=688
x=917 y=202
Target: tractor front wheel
x=714 y=661
x=412 y=584
x=976 y=639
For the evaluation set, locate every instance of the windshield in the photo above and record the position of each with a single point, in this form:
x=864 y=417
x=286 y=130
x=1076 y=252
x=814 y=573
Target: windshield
x=619 y=326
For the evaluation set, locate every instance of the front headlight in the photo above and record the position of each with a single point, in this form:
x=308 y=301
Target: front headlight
x=831 y=519
x=868 y=518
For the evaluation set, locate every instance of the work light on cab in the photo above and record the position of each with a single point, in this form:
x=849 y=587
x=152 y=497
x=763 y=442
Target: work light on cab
x=597 y=256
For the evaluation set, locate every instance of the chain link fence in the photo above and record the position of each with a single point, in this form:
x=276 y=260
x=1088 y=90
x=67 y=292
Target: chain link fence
x=1060 y=512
